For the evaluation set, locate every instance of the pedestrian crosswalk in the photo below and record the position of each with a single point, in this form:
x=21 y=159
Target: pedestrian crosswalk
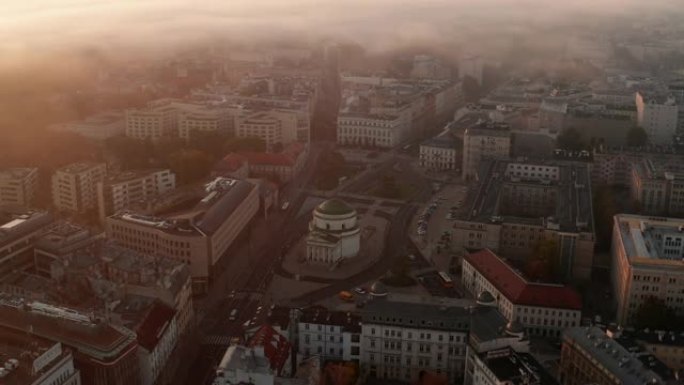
x=217 y=340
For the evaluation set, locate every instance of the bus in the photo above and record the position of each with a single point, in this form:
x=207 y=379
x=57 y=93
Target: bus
x=446 y=280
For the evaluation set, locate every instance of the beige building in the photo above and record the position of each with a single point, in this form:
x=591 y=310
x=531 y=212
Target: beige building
x=485 y=140
x=74 y=187
x=264 y=125
x=200 y=235
x=206 y=120
x=385 y=131
x=647 y=257
x=544 y=309
x=151 y=122
x=118 y=192
x=18 y=186
x=515 y=206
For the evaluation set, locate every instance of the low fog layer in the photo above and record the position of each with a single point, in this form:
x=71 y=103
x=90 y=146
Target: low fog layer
x=54 y=24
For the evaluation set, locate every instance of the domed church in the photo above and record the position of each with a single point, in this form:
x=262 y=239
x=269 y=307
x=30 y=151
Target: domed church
x=334 y=233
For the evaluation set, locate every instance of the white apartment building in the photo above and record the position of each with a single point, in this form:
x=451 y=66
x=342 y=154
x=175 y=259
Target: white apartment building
x=264 y=125
x=658 y=117
x=331 y=335
x=209 y=120
x=484 y=141
x=384 y=131
x=647 y=257
x=438 y=153
x=542 y=309
x=18 y=186
x=74 y=187
x=151 y=122
x=117 y=192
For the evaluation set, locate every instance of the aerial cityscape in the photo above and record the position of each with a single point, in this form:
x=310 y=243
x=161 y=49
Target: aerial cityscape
x=277 y=192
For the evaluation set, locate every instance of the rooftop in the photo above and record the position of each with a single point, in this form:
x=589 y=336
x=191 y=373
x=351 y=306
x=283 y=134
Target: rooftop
x=157 y=320
x=17 y=172
x=350 y=322
x=128 y=176
x=334 y=207
x=77 y=168
x=276 y=347
x=244 y=358
x=24 y=352
x=64 y=237
x=218 y=200
x=442 y=141
x=18 y=222
x=489 y=128
x=622 y=362
x=572 y=210
x=513 y=368
x=517 y=289
x=91 y=337
x=644 y=240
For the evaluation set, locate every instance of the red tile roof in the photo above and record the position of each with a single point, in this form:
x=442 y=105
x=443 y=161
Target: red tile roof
x=153 y=327
x=231 y=162
x=276 y=347
x=517 y=289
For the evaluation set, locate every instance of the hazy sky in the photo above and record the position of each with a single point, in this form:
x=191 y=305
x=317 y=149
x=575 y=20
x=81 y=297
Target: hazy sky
x=43 y=23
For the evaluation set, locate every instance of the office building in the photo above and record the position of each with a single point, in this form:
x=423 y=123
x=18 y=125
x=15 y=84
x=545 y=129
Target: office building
x=438 y=153
x=74 y=187
x=544 y=309
x=19 y=229
x=472 y=66
x=646 y=262
x=206 y=120
x=199 y=235
x=18 y=186
x=589 y=356
x=508 y=367
x=265 y=125
x=334 y=233
x=515 y=206
x=119 y=191
x=330 y=335
x=59 y=241
x=31 y=360
x=104 y=354
x=484 y=140
x=657 y=115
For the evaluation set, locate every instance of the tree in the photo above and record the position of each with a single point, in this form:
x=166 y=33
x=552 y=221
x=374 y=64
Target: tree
x=190 y=165
x=572 y=140
x=388 y=187
x=131 y=153
x=636 y=137
x=654 y=314
x=544 y=263
x=209 y=142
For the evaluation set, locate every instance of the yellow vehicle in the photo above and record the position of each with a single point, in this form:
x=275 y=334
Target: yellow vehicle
x=346 y=296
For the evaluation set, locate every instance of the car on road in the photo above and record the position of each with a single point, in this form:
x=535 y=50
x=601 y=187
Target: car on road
x=285 y=206
x=233 y=315
x=359 y=290
x=346 y=296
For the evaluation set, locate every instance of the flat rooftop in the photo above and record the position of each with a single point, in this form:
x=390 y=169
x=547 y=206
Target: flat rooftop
x=16 y=223
x=442 y=141
x=128 y=176
x=17 y=172
x=218 y=200
x=513 y=368
x=94 y=338
x=489 y=128
x=643 y=239
x=77 y=168
x=320 y=315
x=572 y=212
x=28 y=350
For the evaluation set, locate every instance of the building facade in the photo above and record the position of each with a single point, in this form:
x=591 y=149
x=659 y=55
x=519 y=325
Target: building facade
x=506 y=366
x=384 y=131
x=657 y=185
x=19 y=230
x=543 y=309
x=646 y=262
x=334 y=233
x=658 y=117
x=74 y=187
x=330 y=335
x=438 y=153
x=485 y=140
x=117 y=192
x=18 y=186
x=263 y=125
